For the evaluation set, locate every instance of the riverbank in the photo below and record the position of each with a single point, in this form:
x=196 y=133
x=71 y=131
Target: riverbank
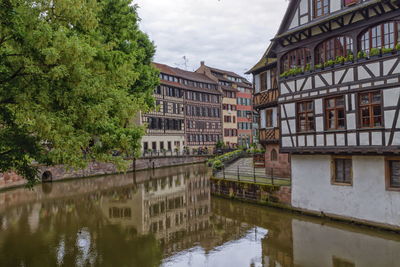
x=277 y=196
x=59 y=172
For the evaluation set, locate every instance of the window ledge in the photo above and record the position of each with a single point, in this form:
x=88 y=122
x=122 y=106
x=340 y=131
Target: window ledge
x=393 y=189
x=342 y=184
x=336 y=130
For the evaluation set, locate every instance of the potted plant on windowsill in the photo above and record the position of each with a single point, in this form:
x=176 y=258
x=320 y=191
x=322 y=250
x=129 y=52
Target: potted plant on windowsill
x=284 y=75
x=329 y=63
x=374 y=53
x=349 y=59
x=307 y=68
x=319 y=67
x=398 y=48
x=361 y=56
x=388 y=51
x=339 y=61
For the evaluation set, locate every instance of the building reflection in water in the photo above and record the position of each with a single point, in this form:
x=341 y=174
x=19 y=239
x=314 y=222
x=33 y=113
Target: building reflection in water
x=167 y=217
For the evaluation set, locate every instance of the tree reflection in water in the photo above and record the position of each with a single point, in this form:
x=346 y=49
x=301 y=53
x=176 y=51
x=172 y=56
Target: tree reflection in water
x=167 y=217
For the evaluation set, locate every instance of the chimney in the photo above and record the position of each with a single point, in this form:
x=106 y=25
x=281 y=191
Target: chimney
x=202 y=63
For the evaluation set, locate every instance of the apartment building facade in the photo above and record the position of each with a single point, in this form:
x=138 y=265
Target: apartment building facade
x=236 y=108
x=188 y=113
x=339 y=105
x=245 y=114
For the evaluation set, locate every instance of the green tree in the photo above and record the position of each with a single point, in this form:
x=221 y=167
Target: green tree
x=73 y=76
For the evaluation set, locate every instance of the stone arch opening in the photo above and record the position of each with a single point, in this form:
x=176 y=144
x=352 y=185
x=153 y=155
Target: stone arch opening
x=47 y=176
x=274 y=155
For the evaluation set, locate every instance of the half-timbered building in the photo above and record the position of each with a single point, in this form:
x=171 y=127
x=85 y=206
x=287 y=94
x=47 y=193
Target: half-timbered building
x=188 y=112
x=339 y=80
x=265 y=102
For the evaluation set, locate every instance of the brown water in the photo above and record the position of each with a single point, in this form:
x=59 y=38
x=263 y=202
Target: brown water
x=167 y=217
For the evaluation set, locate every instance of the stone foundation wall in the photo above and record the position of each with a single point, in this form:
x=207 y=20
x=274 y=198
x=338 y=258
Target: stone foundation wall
x=280 y=166
x=59 y=172
x=252 y=192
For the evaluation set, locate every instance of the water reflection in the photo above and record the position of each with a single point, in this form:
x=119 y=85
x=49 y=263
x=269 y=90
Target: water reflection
x=167 y=217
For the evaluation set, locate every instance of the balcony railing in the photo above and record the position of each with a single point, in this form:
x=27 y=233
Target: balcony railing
x=266 y=97
x=269 y=135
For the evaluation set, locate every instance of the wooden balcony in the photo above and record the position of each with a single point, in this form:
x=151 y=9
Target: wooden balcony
x=266 y=98
x=269 y=135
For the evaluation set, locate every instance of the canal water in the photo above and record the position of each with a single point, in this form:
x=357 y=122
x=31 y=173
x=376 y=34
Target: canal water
x=166 y=217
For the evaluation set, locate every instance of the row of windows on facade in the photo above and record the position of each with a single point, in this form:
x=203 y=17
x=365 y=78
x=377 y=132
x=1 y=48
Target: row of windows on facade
x=161 y=146
x=172 y=108
x=230 y=119
x=230 y=132
x=385 y=35
x=229 y=94
x=231 y=78
x=171 y=78
x=244 y=101
x=369 y=108
x=202 y=97
x=244 y=113
x=203 y=125
x=202 y=111
x=155 y=123
x=342 y=172
x=224 y=83
x=199 y=138
x=190 y=95
x=245 y=90
x=228 y=107
x=244 y=125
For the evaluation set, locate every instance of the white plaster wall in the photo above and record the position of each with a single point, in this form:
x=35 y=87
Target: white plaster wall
x=366 y=199
x=391 y=96
x=286 y=142
x=290 y=109
x=303 y=7
x=295 y=21
x=262 y=118
x=275 y=117
x=335 y=6
x=257 y=83
x=326 y=242
x=318 y=106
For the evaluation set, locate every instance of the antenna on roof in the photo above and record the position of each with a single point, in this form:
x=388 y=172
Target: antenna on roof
x=185 y=62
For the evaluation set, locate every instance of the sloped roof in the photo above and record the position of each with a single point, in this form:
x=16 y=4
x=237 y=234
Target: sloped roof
x=189 y=75
x=264 y=61
x=293 y=5
x=229 y=73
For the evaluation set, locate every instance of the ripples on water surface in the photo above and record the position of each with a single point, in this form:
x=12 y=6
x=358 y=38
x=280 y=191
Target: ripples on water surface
x=166 y=217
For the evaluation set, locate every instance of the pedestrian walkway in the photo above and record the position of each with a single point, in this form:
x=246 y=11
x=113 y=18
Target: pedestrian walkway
x=243 y=169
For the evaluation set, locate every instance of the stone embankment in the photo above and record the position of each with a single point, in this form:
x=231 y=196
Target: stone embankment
x=60 y=172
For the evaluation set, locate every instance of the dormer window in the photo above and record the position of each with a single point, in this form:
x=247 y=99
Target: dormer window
x=298 y=58
x=321 y=8
x=385 y=35
x=330 y=49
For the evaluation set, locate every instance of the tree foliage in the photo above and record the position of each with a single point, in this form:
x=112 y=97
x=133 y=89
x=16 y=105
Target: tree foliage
x=73 y=76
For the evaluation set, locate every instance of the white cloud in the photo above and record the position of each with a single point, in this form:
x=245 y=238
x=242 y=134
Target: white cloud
x=226 y=34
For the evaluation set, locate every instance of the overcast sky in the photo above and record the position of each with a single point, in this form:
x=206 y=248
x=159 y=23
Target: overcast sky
x=226 y=34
